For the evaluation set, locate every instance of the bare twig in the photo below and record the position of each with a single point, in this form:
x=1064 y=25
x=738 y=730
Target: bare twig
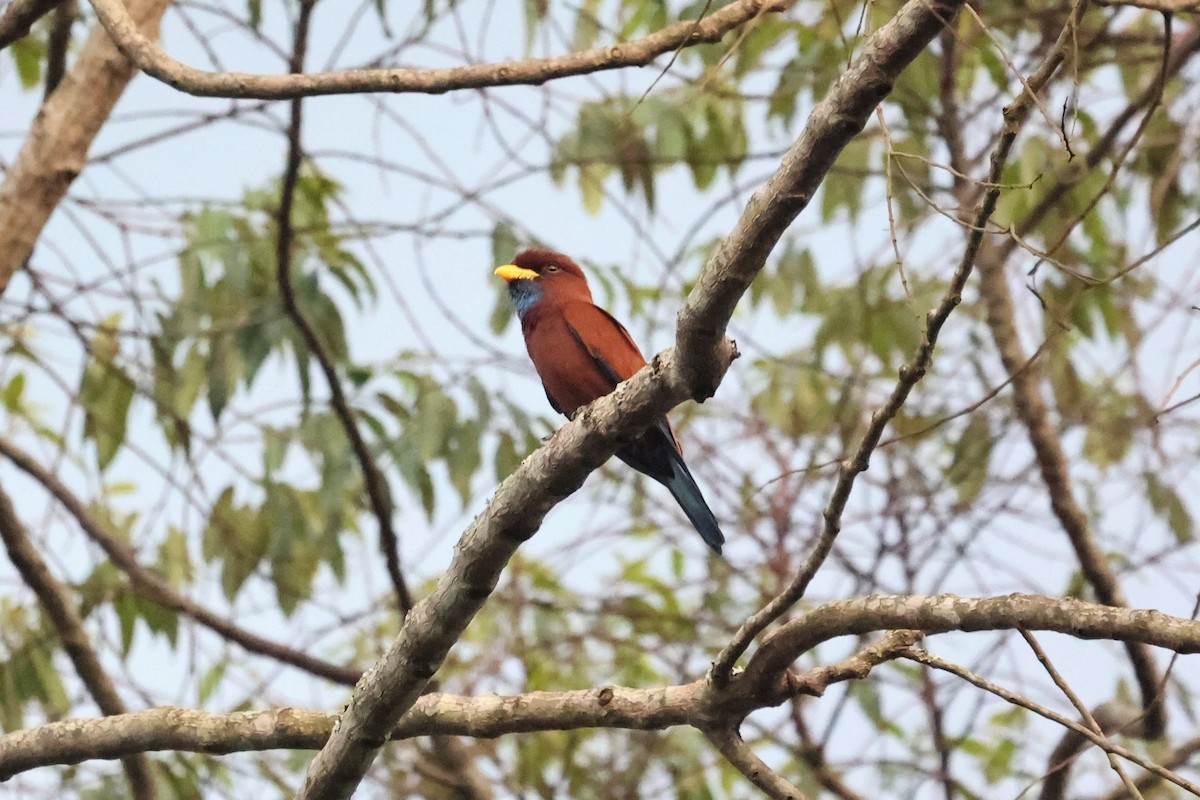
x=812 y=752
x=730 y=744
x=1178 y=757
x=1165 y=6
x=59 y=42
x=1081 y=707
x=924 y=657
x=856 y=667
x=64 y=616
x=455 y=760
x=946 y=612
x=373 y=479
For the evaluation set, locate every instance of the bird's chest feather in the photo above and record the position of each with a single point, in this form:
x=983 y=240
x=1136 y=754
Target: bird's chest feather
x=569 y=373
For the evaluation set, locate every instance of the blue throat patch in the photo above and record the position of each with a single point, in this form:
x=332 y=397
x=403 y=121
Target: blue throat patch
x=524 y=293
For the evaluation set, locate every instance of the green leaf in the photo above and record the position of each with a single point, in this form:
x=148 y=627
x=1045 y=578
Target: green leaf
x=13 y=390
x=535 y=12
x=968 y=470
x=591 y=186
x=1110 y=429
x=504 y=242
x=105 y=392
x=158 y=618
x=222 y=372
x=126 y=608
x=28 y=53
x=436 y=416
x=235 y=536
x=275 y=447
x=843 y=189
x=792 y=78
x=999 y=763
x=1167 y=503
x=507 y=457
x=587 y=26
x=211 y=679
x=174 y=561
x=464 y=457
x=49 y=682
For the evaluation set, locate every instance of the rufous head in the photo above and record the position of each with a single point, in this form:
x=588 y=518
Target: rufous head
x=535 y=274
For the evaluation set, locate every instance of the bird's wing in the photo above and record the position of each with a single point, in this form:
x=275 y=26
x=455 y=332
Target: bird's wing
x=611 y=348
x=604 y=339
x=553 y=404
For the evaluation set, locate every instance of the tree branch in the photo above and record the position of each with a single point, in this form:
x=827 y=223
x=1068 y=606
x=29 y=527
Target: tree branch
x=189 y=730
x=155 y=62
x=19 y=17
x=731 y=745
x=948 y=612
x=1028 y=379
x=58 y=43
x=68 y=624
x=1148 y=780
x=1015 y=116
x=656 y=708
x=557 y=469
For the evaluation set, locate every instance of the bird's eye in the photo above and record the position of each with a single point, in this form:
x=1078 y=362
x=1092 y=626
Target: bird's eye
x=552 y=268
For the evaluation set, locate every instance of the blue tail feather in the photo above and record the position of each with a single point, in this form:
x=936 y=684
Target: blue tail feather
x=683 y=487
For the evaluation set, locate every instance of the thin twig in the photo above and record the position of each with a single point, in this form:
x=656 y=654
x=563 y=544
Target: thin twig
x=59 y=42
x=925 y=657
x=730 y=744
x=375 y=483
x=1080 y=706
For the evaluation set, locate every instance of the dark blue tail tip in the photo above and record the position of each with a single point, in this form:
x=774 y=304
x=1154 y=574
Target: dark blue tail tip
x=714 y=539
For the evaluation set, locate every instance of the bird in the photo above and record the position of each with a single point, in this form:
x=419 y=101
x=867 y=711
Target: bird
x=581 y=353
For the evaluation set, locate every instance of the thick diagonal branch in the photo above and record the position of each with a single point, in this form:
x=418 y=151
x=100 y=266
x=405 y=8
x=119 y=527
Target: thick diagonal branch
x=56 y=148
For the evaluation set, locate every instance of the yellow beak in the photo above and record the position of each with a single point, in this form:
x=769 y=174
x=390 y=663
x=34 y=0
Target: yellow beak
x=511 y=272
